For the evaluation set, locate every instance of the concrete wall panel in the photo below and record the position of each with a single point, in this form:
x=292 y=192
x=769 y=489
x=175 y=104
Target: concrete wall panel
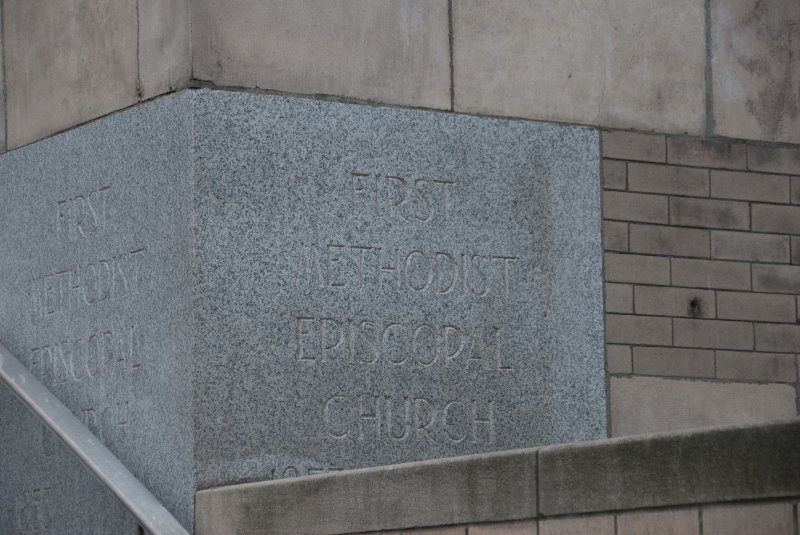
x=637 y=64
x=165 y=58
x=756 y=68
x=67 y=62
x=391 y=51
x=641 y=405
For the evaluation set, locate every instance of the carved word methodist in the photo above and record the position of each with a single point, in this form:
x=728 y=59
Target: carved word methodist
x=366 y=417
x=404 y=199
x=419 y=269
x=395 y=344
x=85 y=285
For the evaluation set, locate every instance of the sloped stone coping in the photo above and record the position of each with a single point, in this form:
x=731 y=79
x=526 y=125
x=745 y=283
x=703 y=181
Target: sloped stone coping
x=708 y=466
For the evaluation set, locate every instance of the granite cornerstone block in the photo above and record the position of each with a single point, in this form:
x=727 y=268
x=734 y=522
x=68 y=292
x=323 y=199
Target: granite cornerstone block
x=230 y=286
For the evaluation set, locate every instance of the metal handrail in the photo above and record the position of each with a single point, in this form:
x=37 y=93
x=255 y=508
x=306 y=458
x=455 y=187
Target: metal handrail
x=148 y=511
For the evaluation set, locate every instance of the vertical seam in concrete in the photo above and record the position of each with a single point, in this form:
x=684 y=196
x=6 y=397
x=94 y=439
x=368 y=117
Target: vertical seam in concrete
x=716 y=372
x=672 y=329
x=710 y=120
x=191 y=41
x=603 y=284
x=538 y=461
x=4 y=85
x=616 y=529
x=797 y=390
x=138 y=61
x=450 y=42
x=700 y=521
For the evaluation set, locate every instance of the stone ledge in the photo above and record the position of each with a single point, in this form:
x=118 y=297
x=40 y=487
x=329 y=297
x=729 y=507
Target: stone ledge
x=709 y=466
x=476 y=488
x=716 y=465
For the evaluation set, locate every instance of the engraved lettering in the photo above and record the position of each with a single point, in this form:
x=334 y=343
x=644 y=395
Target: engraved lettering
x=402 y=199
x=31 y=510
x=399 y=418
x=483 y=427
x=331 y=413
x=323 y=340
x=419 y=270
x=90 y=284
x=369 y=416
x=80 y=358
x=82 y=216
x=450 y=420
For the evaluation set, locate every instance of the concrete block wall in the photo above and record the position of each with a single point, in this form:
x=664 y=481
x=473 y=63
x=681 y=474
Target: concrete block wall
x=771 y=518
x=702 y=287
x=711 y=218
x=753 y=518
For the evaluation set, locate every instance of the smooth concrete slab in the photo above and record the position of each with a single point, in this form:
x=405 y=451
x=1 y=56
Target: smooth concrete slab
x=618 y=64
x=641 y=405
x=756 y=81
x=67 y=62
x=165 y=56
x=393 y=51
x=230 y=287
x=480 y=488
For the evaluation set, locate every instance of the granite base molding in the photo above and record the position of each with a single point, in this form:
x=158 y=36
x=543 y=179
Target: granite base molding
x=229 y=287
x=648 y=473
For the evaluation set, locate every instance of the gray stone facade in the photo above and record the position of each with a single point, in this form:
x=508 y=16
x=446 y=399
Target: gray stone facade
x=229 y=287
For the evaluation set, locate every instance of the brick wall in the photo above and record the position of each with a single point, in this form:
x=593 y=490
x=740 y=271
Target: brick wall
x=772 y=518
x=702 y=270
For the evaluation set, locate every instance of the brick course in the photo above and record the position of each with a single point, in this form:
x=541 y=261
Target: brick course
x=715 y=284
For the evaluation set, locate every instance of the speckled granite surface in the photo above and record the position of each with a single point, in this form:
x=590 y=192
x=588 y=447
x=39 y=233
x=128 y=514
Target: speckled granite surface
x=231 y=286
